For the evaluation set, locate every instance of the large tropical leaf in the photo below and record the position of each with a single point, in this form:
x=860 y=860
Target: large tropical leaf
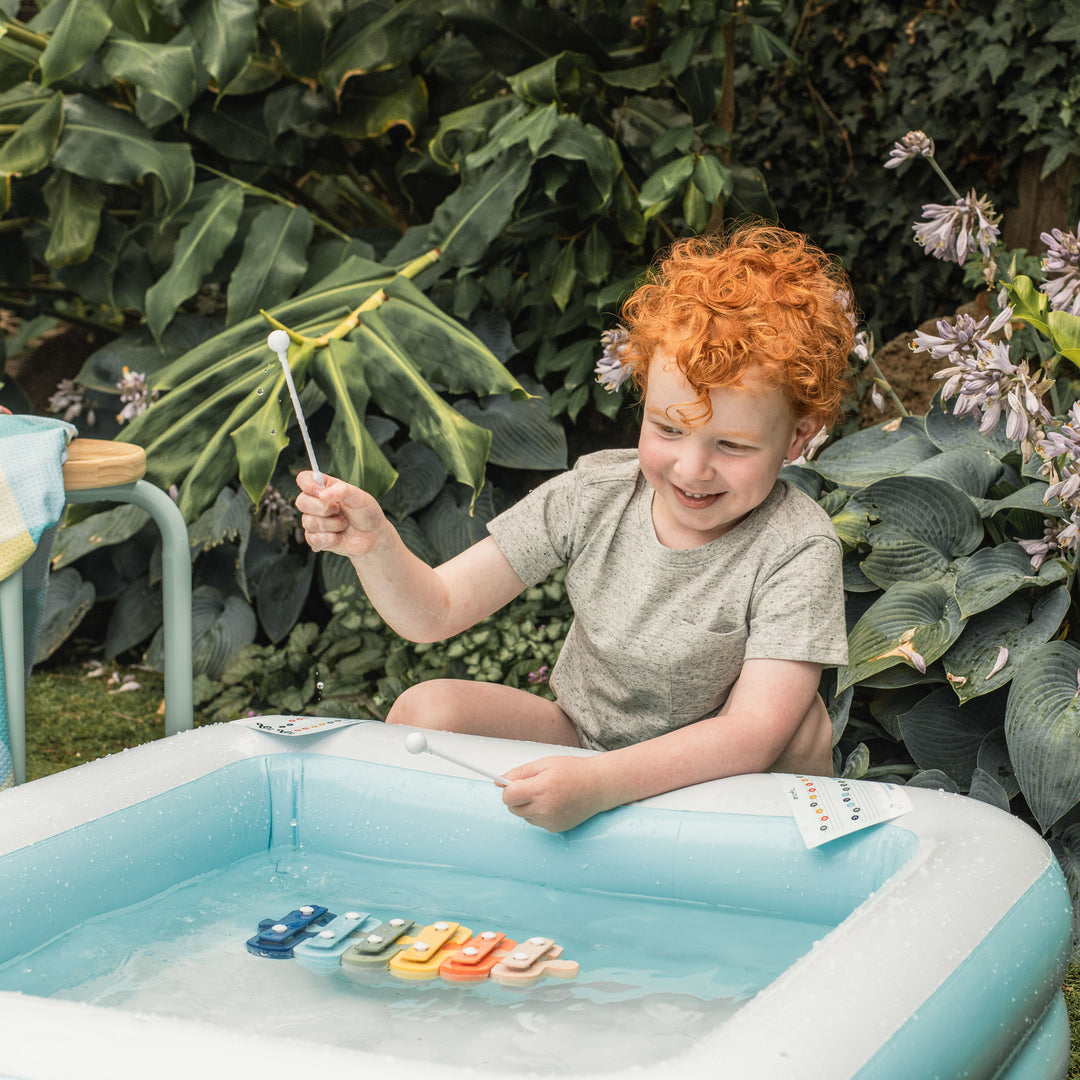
x=226 y=32
x=102 y=143
x=74 y=217
x=31 y=147
x=373 y=38
x=83 y=26
x=200 y=245
x=273 y=261
x=1042 y=726
x=169 y=73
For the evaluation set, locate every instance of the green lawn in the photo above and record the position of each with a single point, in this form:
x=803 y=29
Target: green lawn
x=71 y=719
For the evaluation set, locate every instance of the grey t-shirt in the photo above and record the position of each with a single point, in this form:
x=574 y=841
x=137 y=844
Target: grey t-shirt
x=659 y=635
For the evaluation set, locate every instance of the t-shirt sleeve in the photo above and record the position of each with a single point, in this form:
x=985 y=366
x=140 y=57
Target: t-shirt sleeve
x=797 y=612
x=536 y=534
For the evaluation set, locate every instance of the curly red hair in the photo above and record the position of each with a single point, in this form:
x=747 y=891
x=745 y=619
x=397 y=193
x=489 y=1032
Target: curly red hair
x=759 y=299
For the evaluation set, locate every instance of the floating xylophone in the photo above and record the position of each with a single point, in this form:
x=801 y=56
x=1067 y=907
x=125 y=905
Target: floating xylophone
x=364 y=947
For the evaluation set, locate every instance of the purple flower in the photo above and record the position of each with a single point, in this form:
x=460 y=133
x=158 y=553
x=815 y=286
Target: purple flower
x=537 y=678
x=70 y=400
x=135 y=393
x=611 y=372
x=913 y=144
x=1062 y=261
x=950 y=232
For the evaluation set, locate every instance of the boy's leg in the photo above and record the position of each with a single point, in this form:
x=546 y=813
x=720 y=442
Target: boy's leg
x=810 y=749
x=479 y=708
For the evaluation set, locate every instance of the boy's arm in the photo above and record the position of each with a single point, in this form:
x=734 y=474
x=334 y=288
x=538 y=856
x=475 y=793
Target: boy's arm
x=761 y=717
x=419 y=602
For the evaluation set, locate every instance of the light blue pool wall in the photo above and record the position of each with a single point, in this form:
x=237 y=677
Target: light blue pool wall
x=360 y=808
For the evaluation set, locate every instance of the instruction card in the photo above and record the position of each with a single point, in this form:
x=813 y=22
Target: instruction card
x=296 y=725
x=826 y=807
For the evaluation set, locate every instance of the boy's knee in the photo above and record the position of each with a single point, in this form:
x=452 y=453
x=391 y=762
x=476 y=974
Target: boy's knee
x=423 y=705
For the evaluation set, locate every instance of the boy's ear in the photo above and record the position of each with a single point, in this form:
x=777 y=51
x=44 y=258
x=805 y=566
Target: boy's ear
x=805 y=430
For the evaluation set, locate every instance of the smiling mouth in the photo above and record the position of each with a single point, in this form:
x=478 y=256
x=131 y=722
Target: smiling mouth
x=696 y=502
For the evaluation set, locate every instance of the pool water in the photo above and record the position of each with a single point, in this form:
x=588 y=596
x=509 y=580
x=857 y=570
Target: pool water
x=654 y=974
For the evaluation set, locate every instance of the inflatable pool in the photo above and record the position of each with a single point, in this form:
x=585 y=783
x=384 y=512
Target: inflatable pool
x=707 y=939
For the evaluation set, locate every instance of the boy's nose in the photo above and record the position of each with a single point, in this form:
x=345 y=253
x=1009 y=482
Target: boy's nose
x=695 y=464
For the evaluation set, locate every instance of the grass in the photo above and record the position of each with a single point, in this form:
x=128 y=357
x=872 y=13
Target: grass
x=72 y=718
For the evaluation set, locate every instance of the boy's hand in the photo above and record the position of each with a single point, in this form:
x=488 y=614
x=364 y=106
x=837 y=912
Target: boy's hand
x=338 y=517
x=555 y=793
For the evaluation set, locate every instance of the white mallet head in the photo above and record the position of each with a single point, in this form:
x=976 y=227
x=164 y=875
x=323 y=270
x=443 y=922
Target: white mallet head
x=415 y=742
x=278 y=341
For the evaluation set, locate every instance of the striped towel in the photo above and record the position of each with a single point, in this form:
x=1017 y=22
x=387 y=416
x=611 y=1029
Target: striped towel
x=32 y=453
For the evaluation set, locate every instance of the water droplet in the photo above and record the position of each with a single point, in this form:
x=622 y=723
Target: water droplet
x=259 y=391
x=319 y=685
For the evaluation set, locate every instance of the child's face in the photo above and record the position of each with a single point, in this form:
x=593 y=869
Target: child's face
x=707 y=478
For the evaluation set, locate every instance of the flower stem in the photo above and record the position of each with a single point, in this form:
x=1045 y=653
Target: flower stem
x=948 y=183
x=888 y=385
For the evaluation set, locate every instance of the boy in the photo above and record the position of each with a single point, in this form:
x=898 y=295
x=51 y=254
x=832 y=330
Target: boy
x=707 y=594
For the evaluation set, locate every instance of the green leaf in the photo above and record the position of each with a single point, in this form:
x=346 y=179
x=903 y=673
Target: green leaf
x=259 y=440
x=917 y=617
x=1065 y=334
x=282 y=592
x=403 y=392
x=596 y=256
x=135 y=616
x=226 y=33
x=917 y=527
x=372 y=115
x=1029 y=303
x=552 y=79
x=1042 y=726
x=712 y=177
x=562 y=282
x=972 y=471
x=97 y=531
x=523 y=435
x=31 y=147
x=338 y=370
x=1030 y=497
x=198 y=248
x=874 y=453
x=102 y=143
x=83 y=27
x=949 y=432
x=1021 y=624
x=939 y=734
x=664 y=184
x=454 y=522
x=67 y=601
x=220 y=628
x=273 y=261
x=170 y=73
x=363 y=44
x=640 y=78
x=444 y=350
x=466 y=222
x=421 y=475
x=74 y=217
x=994 y=573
